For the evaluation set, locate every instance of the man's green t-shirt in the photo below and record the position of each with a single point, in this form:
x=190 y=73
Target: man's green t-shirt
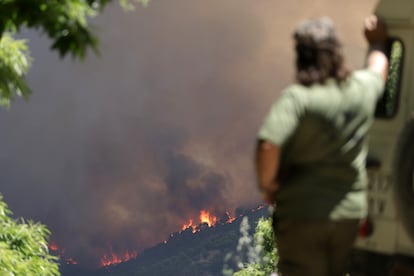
x=322 y=131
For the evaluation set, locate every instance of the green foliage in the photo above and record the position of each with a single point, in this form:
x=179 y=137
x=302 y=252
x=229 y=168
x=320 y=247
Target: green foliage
x=388 y=104
x=23 y=247
x=394 y=72
x=252 y=270
x=263 y=239
x=63 y=21
x=14 y=63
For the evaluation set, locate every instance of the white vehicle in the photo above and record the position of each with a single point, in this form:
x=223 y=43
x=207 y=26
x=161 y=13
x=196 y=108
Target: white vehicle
x=388 y=247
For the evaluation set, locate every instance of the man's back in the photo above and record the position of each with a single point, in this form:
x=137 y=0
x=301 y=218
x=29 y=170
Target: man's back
x=322 y=130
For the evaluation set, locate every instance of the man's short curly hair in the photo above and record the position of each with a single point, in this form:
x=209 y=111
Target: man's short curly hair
x=318 y=52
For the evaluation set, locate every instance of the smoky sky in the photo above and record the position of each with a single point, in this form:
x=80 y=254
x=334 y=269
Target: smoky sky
x=122 y=149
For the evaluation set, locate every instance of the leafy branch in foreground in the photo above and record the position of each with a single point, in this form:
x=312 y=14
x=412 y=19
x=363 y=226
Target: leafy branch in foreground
x=14 y=63
x=63 y=21
x=23 y=247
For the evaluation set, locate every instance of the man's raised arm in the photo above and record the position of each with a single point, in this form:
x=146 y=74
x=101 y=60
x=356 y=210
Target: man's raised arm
x=376 y=34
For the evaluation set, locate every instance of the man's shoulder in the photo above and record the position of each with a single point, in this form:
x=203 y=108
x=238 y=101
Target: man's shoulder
x=369 y=80
x=366 y=75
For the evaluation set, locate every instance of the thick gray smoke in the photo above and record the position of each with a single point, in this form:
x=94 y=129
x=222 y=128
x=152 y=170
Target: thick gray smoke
x=122 y=149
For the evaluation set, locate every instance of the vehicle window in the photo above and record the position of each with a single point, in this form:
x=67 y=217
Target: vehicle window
x=387 y=106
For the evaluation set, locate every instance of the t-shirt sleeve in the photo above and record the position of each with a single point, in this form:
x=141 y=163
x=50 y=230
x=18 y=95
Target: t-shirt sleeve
x=373 y=80
x=282 y=120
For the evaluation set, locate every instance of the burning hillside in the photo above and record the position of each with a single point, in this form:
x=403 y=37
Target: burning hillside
x=114 y=259
x=205 y=220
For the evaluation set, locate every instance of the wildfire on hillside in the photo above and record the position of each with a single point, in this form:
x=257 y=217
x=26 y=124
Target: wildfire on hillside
x=113 y=259
x=105 y=260
x=205 y=218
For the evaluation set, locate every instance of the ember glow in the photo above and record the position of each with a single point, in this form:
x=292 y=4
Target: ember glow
x=230 y=217
x=60 y=252
x=71 y=261
x=53 y=246
x=113 y=259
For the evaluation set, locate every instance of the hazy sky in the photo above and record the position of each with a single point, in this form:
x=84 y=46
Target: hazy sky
x=124 y=148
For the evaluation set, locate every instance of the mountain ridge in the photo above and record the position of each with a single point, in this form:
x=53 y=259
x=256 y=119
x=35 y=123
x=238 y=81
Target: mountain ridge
x=185 y=253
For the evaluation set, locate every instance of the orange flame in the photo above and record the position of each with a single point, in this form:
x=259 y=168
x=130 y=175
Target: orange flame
x=191 y=225
x=113 y=259
x=187 y=225
x=206 y=217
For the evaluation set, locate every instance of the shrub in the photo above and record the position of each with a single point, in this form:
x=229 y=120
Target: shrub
x=23 y=247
